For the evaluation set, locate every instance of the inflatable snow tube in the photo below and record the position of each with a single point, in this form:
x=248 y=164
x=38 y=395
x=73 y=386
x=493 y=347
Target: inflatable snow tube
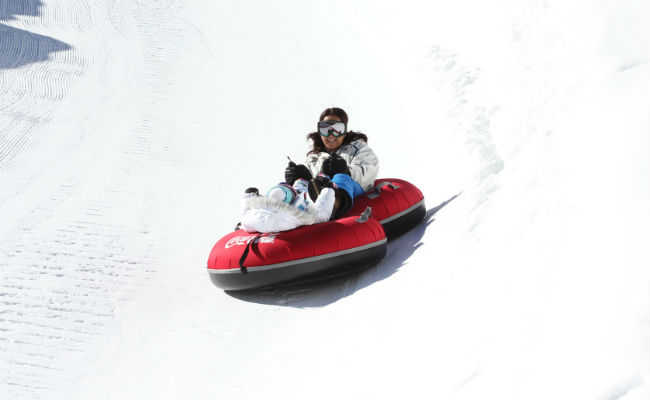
x=243 y=260
x=397 y=204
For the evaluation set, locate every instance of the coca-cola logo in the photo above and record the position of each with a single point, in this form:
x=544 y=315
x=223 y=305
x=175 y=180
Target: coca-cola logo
x=244 y=240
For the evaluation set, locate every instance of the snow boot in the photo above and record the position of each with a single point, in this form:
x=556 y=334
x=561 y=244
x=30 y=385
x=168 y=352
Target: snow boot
x=252 y=191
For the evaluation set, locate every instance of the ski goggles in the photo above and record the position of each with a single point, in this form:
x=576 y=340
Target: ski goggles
x=334 y=128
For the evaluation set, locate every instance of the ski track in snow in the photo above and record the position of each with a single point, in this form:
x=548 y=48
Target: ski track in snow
x=86 y=173
x=70 y=260
x=30 y=93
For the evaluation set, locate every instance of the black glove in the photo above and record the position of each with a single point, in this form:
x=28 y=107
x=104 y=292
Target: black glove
x=317 y=185
x=323 y=182
x=253 y=191
x=294 y=172
x=335 y=165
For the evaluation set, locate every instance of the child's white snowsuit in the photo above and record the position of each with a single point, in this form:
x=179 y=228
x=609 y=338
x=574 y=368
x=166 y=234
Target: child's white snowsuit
x=265 y=214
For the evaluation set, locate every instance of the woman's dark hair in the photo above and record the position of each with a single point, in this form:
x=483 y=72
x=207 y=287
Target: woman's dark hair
x=337 y=112
x=351 y=136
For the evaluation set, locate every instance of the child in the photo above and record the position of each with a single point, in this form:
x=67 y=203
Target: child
x=286 y=207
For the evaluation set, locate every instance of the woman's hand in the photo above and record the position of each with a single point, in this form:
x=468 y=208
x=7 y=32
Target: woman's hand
x=335 y=165
x=294 y=172
x=324 y=182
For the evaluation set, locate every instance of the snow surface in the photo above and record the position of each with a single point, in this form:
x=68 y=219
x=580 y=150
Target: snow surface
x=129 y=129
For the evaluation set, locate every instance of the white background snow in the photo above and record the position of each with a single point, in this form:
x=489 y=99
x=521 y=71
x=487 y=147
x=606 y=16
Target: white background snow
x=128 y=130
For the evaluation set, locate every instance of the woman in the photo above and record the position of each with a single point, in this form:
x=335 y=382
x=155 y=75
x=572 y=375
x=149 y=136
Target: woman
x=340 y=154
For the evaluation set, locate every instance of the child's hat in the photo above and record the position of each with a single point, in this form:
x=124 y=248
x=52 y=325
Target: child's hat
x=282 y=192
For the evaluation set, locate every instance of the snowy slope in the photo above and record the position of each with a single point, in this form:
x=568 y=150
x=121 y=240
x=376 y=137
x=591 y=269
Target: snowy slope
x=128 y=130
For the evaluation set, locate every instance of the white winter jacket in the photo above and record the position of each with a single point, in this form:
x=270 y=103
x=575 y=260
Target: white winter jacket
x=265 y=214
x=361 y=160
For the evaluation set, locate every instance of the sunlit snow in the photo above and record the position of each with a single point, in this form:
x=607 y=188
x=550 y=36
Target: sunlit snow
x=129 y=129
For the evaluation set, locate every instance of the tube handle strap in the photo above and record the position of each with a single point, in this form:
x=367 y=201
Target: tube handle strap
x=365 y=216
x=247 y=249
x=389 y=184
x=376 y=191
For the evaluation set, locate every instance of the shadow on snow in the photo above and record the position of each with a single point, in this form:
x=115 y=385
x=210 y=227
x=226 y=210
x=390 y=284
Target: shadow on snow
x=322 y=293
x=11 y=8
x=19 y=47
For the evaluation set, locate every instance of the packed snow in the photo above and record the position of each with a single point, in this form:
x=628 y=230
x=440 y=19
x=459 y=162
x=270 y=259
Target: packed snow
x=128 y=131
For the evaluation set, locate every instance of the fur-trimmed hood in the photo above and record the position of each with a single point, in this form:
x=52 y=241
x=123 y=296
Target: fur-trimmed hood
x=264 y=214
x=306 y=217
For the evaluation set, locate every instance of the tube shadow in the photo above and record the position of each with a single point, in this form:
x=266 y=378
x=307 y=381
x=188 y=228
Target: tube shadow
x=325 y=292
x=19 y=47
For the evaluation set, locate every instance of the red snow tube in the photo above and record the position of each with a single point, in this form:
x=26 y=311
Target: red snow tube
x=397 y=204
x=243 y=260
